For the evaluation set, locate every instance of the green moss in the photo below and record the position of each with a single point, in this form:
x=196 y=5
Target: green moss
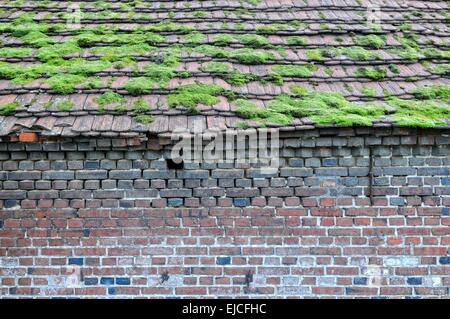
x=65 y=106
x=296 y=40
x=436 y=54
x=294 y=71
x=374 y=73
x=356 y=53
x=83 y=67
x=57 y=51
x=314 y=55
x=408 y=53
x=92 y=83
x=65 y=83
x=19 y=74
x=37 y=39
x=372 y=41
x=143 y=119
x=322 y=108
x=254 y=40
x=190 y=96
x=159 y=73
x=223 y=39
x=15 y=52
x=199 y=14
x=8 y=109
x=140 y=85
x=237 y=78
x=90 y=38
x=212 y=51
x=298 y=91
x=329 y=71
x=368 y=92
x=216 y=68
x=442 y=69
x=195 y=38
x=394 y=68
x=424 y=114
x=109 y=98
x=440 y=92
x=271 y=29
x=140 y=106
x=250 y=56
x=112 y=53
x=405 y=27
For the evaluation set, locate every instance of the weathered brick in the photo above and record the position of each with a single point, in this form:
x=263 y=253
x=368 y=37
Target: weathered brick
x=91 y=174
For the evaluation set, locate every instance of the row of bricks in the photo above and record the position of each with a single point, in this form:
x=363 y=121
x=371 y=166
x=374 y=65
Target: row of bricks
x=268 y=217
x=326 y=182
x=112 y=192
x=345 y=160
x=231 y=174
x=204 y=280
x=284 y=152
x=437 y=202
x=304 y=139
x=295 y=291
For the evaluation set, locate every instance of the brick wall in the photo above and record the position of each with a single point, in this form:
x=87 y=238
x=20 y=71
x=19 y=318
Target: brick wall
x=350 y=212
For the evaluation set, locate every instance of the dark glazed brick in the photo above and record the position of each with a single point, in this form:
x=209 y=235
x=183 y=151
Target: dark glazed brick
x=76 y=261
x=223 y=261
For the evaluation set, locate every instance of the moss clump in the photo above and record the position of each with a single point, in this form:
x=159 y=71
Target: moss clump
x=65 y=83
x=294 y=71
x=298 y=91
x=440 y=92
x=271 y=29
x=109 y=98
x=244 y=56
x=141 y=107
x=216 y=68
x=19 y=74
x=15 y=52
x=56 y=52
x=64 y=106
x=212 y=51
x=224 y=71
x=140 y=85
x=372 y=41
x=238 y=78
x=374 y=73
x=199 y=14
x=8 y=109
x=143 y=119
x=250 y=56
x=442 y=69
x=83 y=67
x=90 y=38
x=356 y=53
x=368 y=92
x=112 y=53
x=322 y=108
x=394 y=68
x=296 y=40
x=195 y=38
x=223 y=40
x=314 y=55
x=158 y=73
x=436 y=54
x=37 y=39
x=190 y=96
x=254 y=40
x=426 y=114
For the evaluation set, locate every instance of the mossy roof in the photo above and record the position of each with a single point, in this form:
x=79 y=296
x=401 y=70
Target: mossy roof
x=129 y=68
